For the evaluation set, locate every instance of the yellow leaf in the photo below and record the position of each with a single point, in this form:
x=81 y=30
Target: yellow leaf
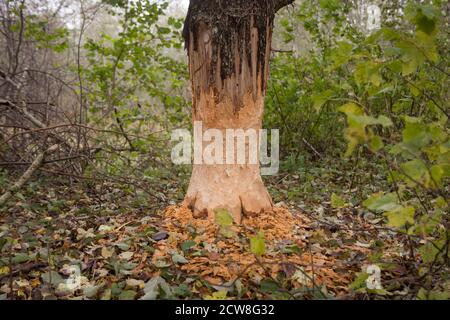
x=107 y=253
x=4 y=270
x=219 y=295
x=35 y=282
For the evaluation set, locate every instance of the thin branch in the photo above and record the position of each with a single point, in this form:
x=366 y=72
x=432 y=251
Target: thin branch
x=27 y=175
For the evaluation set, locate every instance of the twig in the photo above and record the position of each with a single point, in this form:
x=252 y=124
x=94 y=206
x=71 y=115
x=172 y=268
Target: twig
x=27 y=175
x=312 y=148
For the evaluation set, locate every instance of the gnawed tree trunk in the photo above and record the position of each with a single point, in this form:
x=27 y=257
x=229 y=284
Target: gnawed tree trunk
x=229 y=45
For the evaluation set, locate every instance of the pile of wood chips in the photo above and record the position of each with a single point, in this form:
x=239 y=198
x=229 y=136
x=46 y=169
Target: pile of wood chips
x=220 y=260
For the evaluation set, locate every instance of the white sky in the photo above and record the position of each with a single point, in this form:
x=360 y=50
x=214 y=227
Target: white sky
x=72 y=6
x=185 y=3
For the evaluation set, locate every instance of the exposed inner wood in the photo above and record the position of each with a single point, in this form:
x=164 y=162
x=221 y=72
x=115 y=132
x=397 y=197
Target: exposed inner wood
x=236 y=187
x=228 y=44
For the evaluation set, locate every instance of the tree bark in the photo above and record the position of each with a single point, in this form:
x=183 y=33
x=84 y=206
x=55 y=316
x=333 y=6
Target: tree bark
x=228 y=44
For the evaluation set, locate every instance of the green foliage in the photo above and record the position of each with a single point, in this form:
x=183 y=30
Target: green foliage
x=224 y=219
x=38 y=29
x=129 y=76
x=380 y=203
x=258 y=244
x=405 y=66
x=360 y=281
x=336 y=201
x=388 y=91
x=185 y=246
x=219 y=295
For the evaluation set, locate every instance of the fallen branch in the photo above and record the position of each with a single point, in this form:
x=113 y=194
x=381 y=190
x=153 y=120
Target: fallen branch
x=77 y=156
x=27 y=175
x=23 y=110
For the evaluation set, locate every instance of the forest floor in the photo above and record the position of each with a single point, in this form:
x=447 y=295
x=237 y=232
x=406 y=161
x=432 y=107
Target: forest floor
x=318 y=239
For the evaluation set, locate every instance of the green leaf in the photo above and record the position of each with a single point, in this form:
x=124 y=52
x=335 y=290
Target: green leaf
x=187 y=245
x=412 y=56
x=428 y=252
x=424 y=294
x=368 y=73
x=291 y=249
x=269 y=285
x=382 y=202
x=351 y=108
x=123 y=246
x=416 y=171
x=20 y=257
x=413 y=89
x=427 y=45
x=223 y=218
x=341 y=54
x=439 y=295
x=424 y=16
x=336 y=201
x=3 y=241
x=384 y=121
x=127 y=295
x=415 y=135
x=364 y=120
x=409 y=66
x=400 y=217
x=175 y=22
x=178 y=258
x=376 y=143
x=320 y=99
x=258 y=244
x=182 y=291
x=218 y=295
x=52 y=278
x=163 y=30
x=440 y=171
x=360 y=281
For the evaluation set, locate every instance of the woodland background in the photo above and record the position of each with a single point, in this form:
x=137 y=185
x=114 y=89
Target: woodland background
x=90 y=91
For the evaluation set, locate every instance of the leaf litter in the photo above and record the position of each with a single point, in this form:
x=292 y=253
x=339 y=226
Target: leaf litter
x=300 y=253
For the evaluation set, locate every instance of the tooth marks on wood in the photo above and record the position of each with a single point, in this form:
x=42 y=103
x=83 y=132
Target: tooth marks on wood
x=233 y=39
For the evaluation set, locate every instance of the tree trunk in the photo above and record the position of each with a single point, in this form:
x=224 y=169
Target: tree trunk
x=228 y=44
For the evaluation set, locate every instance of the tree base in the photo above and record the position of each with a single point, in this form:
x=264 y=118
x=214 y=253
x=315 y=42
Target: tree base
x=223 y=259
x=237 y=188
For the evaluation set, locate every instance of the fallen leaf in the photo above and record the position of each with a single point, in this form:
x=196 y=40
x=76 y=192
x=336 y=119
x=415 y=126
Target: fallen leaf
x=127 y=255
x=107 y=253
